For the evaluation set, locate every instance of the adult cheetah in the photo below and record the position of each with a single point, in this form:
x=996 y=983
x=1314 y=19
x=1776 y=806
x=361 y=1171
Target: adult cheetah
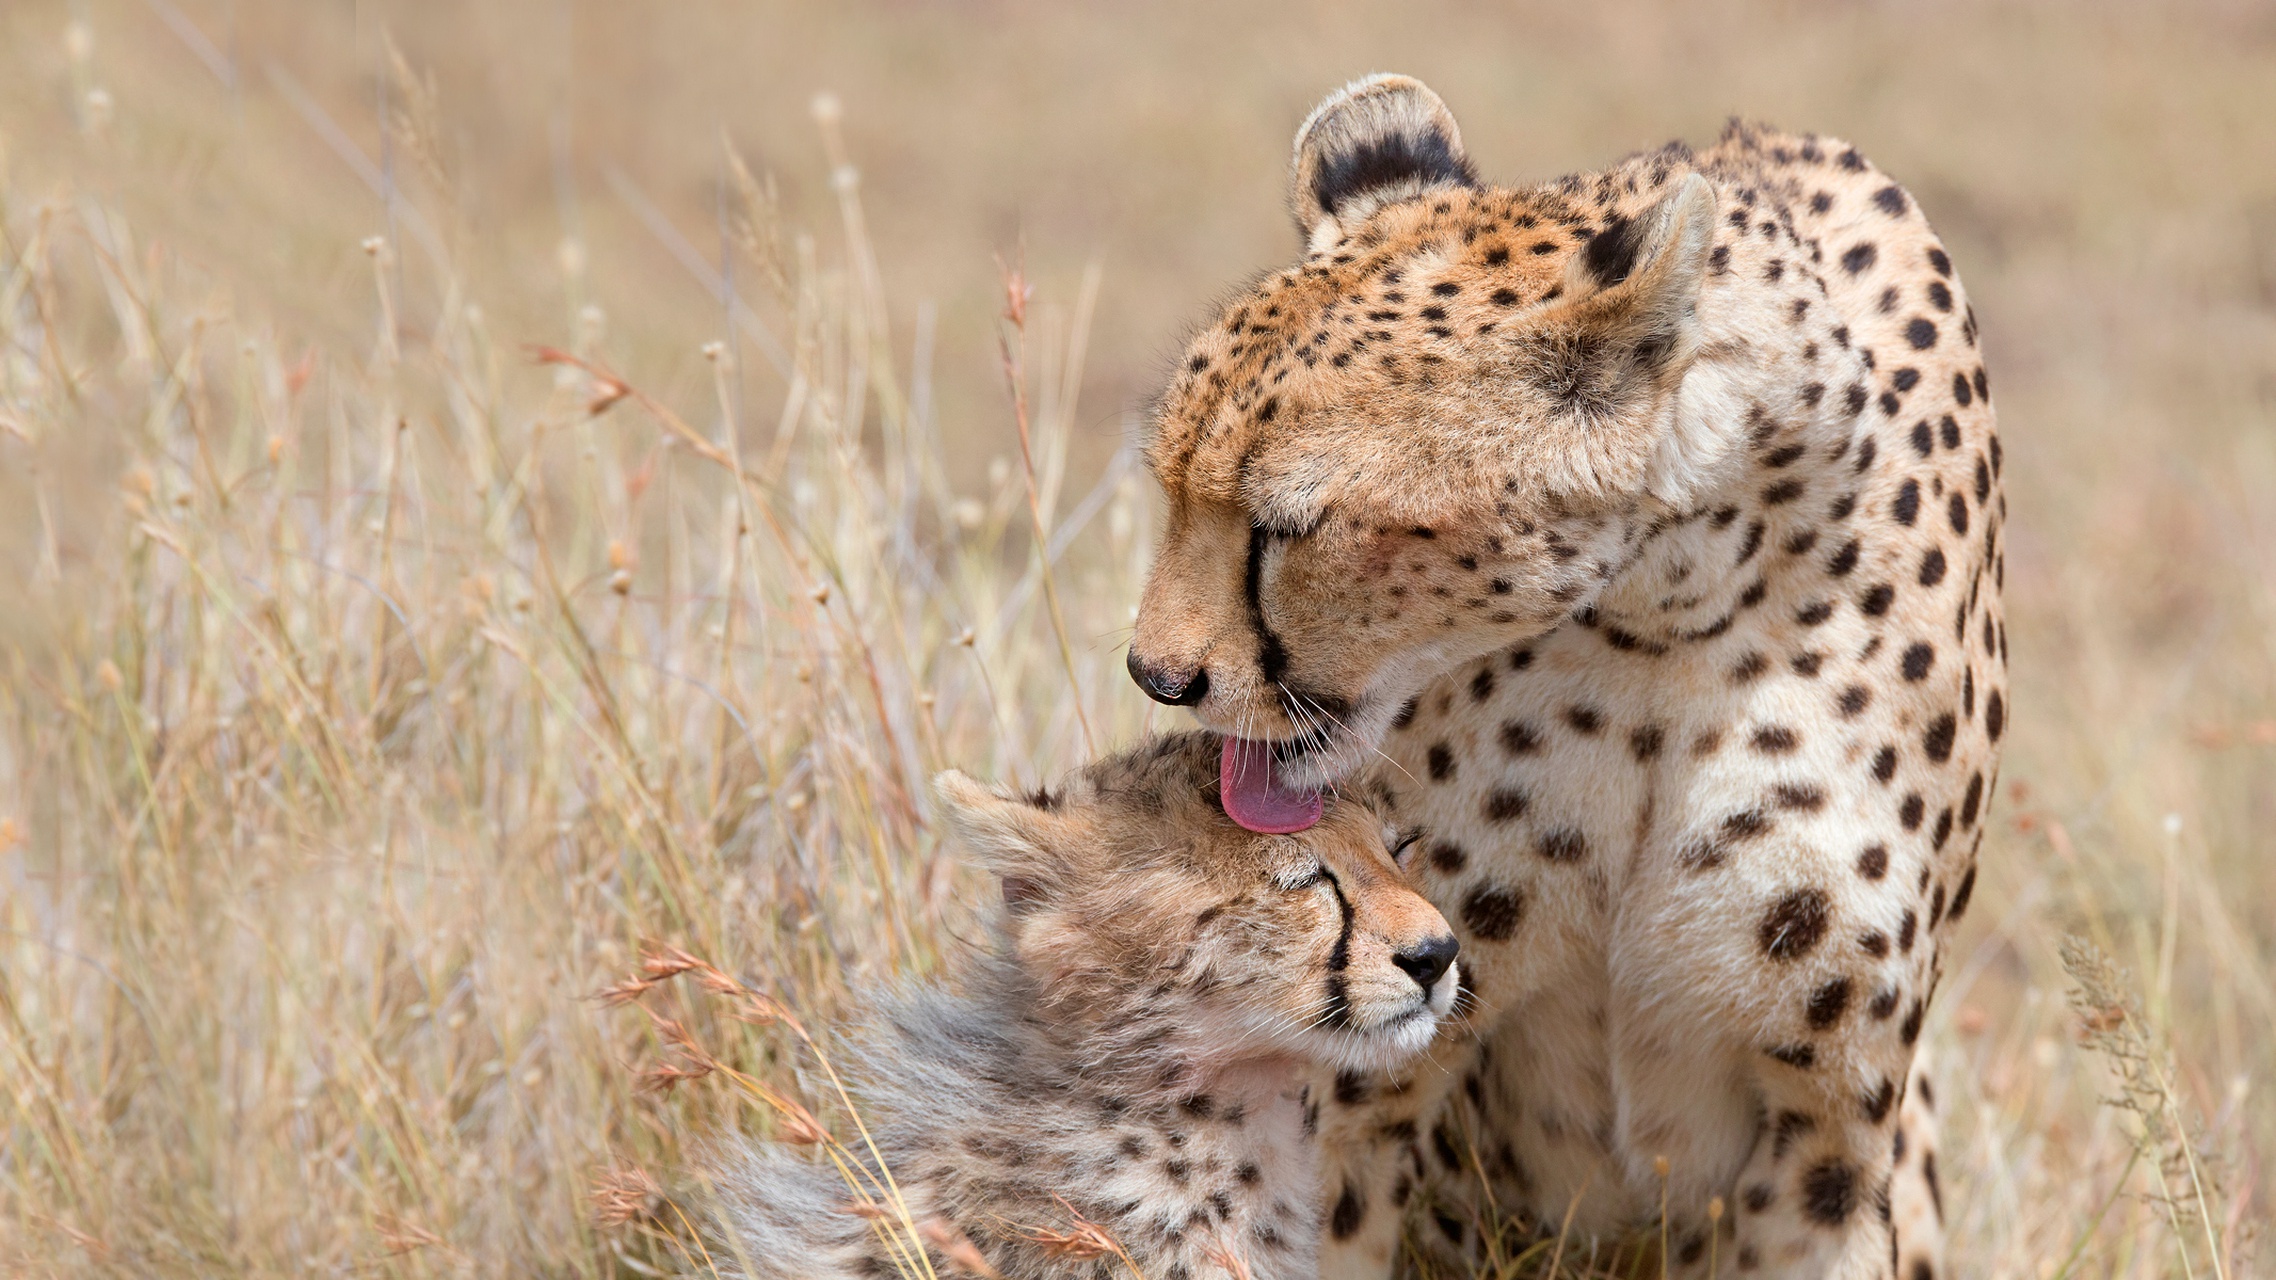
x=1634 y=540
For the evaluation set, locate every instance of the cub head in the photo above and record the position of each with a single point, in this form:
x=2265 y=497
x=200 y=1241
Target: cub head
x=1434 y=437
x=1139 y=910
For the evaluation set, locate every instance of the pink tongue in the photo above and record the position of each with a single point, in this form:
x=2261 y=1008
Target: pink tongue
x=1249 y=784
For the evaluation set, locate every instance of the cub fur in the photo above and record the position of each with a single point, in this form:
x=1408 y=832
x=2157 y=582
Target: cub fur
x=1136 y=1047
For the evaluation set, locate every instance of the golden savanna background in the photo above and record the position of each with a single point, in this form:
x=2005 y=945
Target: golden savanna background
x=389 y=650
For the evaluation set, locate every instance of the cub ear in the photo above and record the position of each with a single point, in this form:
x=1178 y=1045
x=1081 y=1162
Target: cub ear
x=1019 y=838
x=1371 y=142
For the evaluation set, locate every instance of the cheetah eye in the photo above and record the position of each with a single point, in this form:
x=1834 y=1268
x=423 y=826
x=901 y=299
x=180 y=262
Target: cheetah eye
x=1402 y=849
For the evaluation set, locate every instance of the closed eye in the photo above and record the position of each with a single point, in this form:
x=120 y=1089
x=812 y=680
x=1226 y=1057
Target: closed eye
x=1403 y=849
x=1303 y=877
x=1274 y=525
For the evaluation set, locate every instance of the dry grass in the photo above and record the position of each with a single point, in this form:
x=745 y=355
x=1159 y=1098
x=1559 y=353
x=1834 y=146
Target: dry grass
x=374 y=684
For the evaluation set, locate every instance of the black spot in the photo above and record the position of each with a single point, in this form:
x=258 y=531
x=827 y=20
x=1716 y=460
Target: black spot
x=1804 y=796
x=1885 y=763
x=1956 y=510
x=1776 y=739
x=1349 y=1210
x=1351 y=1088
x=1585 y=720
x=1752 y=544
x=1746 y=824
x=1878 y=1102
x=1876 y=601
x=1859 y=257
x=1919 y=657
x=1907 y=506
x=1503 y=297
x=1497 y=256
x=1441 y=762
x=1565 y=844
x=1910 y=1031
x=1504 y=804
x=1972 y=803
x=1794 y=925
x=1855 y=699
x=1448 y=856
x=1813 y=614
x=1492 y=912
x=1828 y=1003
x=1936 y=743
x=1961 y=895
x=1482 y=685
x=1995 y=715
x=1646 y=741
x=1890 y=199
x=1923 y=439
x=1921 y=333
x=1520 y=738
x=1873 y=863
x=1932 y=567
x=1806 y=664
x=1845 y=559
x=1829 y=1188
x=1912 y=811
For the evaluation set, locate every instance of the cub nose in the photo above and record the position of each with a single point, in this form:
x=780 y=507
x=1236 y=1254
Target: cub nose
x=1428 y=961
x=1170 y=688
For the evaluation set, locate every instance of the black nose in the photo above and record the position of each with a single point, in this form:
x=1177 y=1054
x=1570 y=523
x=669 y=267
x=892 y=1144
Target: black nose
x=1427 y=962
x=1171 y=689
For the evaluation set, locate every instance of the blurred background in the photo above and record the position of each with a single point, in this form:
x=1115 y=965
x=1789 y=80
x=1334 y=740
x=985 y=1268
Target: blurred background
x=373 y=684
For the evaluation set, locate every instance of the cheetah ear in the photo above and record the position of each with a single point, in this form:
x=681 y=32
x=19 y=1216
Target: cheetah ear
x=1020 y=838
x=1374 y=141
x=1646 y=271
x=1638 y=283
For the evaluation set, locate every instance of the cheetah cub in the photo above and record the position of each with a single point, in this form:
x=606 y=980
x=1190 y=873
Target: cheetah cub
x=1137 y=1048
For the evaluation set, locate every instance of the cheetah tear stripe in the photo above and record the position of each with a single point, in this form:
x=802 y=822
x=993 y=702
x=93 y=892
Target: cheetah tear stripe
x=1250 y=785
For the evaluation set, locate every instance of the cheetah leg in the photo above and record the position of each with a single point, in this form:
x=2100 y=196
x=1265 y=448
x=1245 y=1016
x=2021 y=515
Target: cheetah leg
x=1372 y=1128
x=1814 y=1198
x=1916 y=1200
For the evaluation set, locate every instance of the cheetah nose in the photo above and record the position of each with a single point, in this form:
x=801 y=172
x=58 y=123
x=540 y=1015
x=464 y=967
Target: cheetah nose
x=1429 y=961
x=1171 y=689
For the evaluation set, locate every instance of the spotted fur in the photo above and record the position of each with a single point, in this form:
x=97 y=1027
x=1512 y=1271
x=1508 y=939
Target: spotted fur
x=1138 y=1049
x=1635 y=540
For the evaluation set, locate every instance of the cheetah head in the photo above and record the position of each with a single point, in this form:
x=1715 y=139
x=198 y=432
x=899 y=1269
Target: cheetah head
x=1427 y=441
x=1136 y=906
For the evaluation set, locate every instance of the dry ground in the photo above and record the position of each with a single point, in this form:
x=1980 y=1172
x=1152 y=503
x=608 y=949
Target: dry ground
x=370 y=692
